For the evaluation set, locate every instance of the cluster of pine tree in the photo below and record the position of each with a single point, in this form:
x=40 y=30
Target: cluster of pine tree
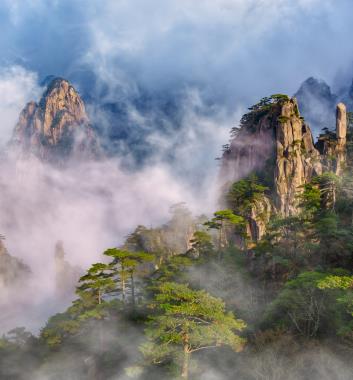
x=196 y=297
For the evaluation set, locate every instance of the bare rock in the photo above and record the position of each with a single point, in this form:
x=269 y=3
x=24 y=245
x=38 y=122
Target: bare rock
x=260 y=214
x=57 y=127
x=341 y=123
x=297 y=160
x=276 y=143
x=13 y=272
x=332 y=146
x=66 y=275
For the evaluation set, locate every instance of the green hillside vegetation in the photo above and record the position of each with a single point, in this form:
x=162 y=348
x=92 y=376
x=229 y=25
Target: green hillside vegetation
x=192 y=297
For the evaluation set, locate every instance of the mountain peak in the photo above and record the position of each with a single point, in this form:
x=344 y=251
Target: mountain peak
x=317 y=103
x=57 y=127
x=317 y=87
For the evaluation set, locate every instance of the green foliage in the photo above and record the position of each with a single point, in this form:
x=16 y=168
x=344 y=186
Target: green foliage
x=336 y=282
x=124 y=266
x=58 y=328
x=98 y=281
x=282 y=119
x=201 y=244
x=223 y=220
x=310 y=200
x=223 y=217
x=172 y=269
x=244 y=193
x=300 y=273
x=186 y=321
x=280 y=98
x=303 y=307
x=261 y=108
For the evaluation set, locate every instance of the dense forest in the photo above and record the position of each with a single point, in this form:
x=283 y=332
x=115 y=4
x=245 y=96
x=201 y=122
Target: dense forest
x=203 y=297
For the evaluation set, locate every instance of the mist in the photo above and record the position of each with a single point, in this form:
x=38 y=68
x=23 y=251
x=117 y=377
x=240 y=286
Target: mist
x=163 y=83
x=90 y=207
x=133 y=59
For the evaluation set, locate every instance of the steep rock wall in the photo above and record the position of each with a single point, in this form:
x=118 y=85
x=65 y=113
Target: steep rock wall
x=275 y=143
x=297 y=160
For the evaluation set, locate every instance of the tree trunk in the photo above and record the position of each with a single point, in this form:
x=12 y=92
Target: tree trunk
x=185 y=370
x=220 y=238
x=123 y=285
x=132 y=289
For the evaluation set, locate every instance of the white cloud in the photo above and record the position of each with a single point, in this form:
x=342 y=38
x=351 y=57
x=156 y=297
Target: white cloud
x=17 y=87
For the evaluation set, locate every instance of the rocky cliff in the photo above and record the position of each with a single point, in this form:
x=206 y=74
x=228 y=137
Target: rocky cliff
x=276 y=144
x=332 y=145
x=57 y=127
x=13 y=272
x=297 y=160
x=66 y=275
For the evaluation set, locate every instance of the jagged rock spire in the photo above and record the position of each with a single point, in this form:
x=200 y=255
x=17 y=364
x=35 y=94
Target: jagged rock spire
x=341 y=123
x=57 y=127
x=275 y=143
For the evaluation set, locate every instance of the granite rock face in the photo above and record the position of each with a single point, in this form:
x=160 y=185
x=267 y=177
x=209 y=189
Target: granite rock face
x=341 y=123
x=258 y=218
x=13 y=272
x=332 y=145
x=66 y=275
x=277 y=145
x=297 y=160
x=56 y=128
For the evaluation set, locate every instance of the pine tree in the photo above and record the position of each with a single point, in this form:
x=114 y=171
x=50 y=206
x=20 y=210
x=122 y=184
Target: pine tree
x=187 y=321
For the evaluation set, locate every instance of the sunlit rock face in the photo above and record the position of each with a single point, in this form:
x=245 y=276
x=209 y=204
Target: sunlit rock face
x=277 y=145
x=56 y=128
x=297 y=160
x=341 y=123
x=332 y=145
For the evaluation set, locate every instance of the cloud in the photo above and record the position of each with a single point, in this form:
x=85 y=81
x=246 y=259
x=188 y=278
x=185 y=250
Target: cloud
x=236 y=50
x=230 y=47
x=143 y=59
x=17 y=87
x=90 y=207
x=181 y=72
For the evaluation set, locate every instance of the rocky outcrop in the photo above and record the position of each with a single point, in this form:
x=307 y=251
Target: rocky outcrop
x=297 y=160
x=66 y=275
x=13 y=272
x=258 y=218
x=57 y=127
x=276 y=144
x=341 y=123
x=332 y=145
x=249 y=151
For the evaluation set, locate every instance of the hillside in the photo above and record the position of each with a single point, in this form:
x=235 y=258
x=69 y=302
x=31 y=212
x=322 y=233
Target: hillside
x=260 y=288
